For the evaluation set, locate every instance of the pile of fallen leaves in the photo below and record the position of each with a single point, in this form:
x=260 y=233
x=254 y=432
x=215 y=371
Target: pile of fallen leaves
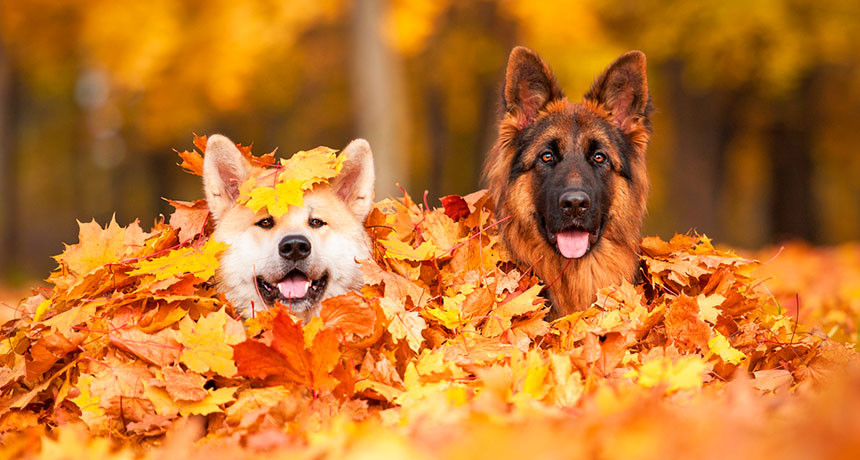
x=819 y=286
x=448 y=351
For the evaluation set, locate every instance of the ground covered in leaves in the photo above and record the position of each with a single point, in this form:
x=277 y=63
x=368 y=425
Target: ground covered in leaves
x=448 y=351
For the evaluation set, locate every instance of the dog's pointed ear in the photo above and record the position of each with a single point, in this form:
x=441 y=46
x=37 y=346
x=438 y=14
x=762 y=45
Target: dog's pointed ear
x=623 y=91
x=529 y=85
x=224 y=169
x=354 y=184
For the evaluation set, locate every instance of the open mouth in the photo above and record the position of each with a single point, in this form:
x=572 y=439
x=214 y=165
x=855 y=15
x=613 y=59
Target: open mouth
x=295 y=290
x=574 y=242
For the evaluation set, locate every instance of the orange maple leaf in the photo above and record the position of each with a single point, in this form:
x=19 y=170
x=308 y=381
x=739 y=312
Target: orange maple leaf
x=288 y=358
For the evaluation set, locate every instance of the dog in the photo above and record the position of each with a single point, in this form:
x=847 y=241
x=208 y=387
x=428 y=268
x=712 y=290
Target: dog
x=569 y=179
x=307 y=255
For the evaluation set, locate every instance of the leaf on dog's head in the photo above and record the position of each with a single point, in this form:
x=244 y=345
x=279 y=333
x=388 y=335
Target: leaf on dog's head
x=312 y=167
x=296 y=174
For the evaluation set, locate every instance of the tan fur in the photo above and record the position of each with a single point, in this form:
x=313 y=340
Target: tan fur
x=615 y=258
x=253 y=251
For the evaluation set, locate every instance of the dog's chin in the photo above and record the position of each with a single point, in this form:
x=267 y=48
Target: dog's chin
x=295 y=290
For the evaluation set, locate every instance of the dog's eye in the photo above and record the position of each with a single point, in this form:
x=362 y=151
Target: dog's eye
x=316 y=223
x=268 y=222
x=547 y=156
x=599 y=157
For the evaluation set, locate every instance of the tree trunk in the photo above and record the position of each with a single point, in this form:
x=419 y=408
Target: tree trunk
x=9 y=113
x=379 y=102
x=791 y=144
x=702 y=131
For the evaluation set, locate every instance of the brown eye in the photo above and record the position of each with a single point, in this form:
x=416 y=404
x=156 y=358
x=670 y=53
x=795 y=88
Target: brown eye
x=547 y=156
x=266 y=223
x=316 y=223
x=599 y=157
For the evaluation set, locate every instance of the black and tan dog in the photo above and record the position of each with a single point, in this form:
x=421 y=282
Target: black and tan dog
x=571 y=178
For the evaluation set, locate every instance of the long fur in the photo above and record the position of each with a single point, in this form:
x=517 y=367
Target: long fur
x=615 y=258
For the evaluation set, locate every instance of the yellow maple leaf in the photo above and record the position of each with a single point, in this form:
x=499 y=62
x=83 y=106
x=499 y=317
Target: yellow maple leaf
x=92 y=412
x=278 y=199
x=448 y=314
x=708 y=307
x=200 y=262
x=404 y=251
x=312 y=167
x=720 y=346
x=531 y=371
x=500 y=318
x=210 y=404
x=207 y=343
x=685 y=373
x=297 y=174
x=403 y=324
x=99 y=246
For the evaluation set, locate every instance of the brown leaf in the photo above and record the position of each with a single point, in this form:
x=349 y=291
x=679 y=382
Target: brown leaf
x=684 y=326
x=351 y=315
x=190 y=218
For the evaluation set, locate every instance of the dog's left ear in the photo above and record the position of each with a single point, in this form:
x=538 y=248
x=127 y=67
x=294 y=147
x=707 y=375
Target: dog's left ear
x=224 y=169
x=623 y=90
x=354 y=184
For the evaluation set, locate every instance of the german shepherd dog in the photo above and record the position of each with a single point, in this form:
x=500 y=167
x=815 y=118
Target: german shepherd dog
x=570 y=179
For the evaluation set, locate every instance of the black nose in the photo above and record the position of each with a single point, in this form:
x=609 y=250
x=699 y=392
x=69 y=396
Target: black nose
x=574 y=202
x=294 y=247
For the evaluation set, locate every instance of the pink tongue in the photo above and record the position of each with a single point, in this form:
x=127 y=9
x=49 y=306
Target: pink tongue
x=294 y=286
x=573 y=244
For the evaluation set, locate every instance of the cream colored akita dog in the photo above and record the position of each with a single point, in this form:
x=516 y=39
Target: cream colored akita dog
x=309 y=254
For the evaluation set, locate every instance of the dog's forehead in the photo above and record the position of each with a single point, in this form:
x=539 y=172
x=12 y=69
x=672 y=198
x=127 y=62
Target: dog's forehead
x=572 y=126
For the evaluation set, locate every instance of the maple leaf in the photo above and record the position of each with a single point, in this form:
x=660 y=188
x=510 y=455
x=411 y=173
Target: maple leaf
x=192 y=162
x=404 y=251
x=455 y=206
x=288 y=358
x=201 y=262
x=685 y=373
x=190 y=218
x=278 y=199
x=206 y=344
x=500 y=318
x=101 y=246
x=720 y=346
x=297 y=174
x=312 y=167
x=350 y=315
x=402 y=324
x=683 y=323
x=161 y=348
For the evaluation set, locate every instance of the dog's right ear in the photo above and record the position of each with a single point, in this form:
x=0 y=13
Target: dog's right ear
x=224 y=169
x=529 y=85
x=354 y=184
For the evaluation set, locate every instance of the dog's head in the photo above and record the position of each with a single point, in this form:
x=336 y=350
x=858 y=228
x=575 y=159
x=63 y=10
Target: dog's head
x=297 y=259
x=574 y=153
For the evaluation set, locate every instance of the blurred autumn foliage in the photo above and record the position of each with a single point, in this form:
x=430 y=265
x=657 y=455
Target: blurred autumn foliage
x=755 y=139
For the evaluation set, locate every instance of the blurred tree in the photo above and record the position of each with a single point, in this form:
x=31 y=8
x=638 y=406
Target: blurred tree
x=721 y=53
x=9 y=198
x=754 y=136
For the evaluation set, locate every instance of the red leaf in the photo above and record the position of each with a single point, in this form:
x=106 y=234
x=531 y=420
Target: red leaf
x=455 y=206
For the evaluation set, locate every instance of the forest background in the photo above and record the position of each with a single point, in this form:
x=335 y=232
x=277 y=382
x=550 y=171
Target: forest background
x=756 y=130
